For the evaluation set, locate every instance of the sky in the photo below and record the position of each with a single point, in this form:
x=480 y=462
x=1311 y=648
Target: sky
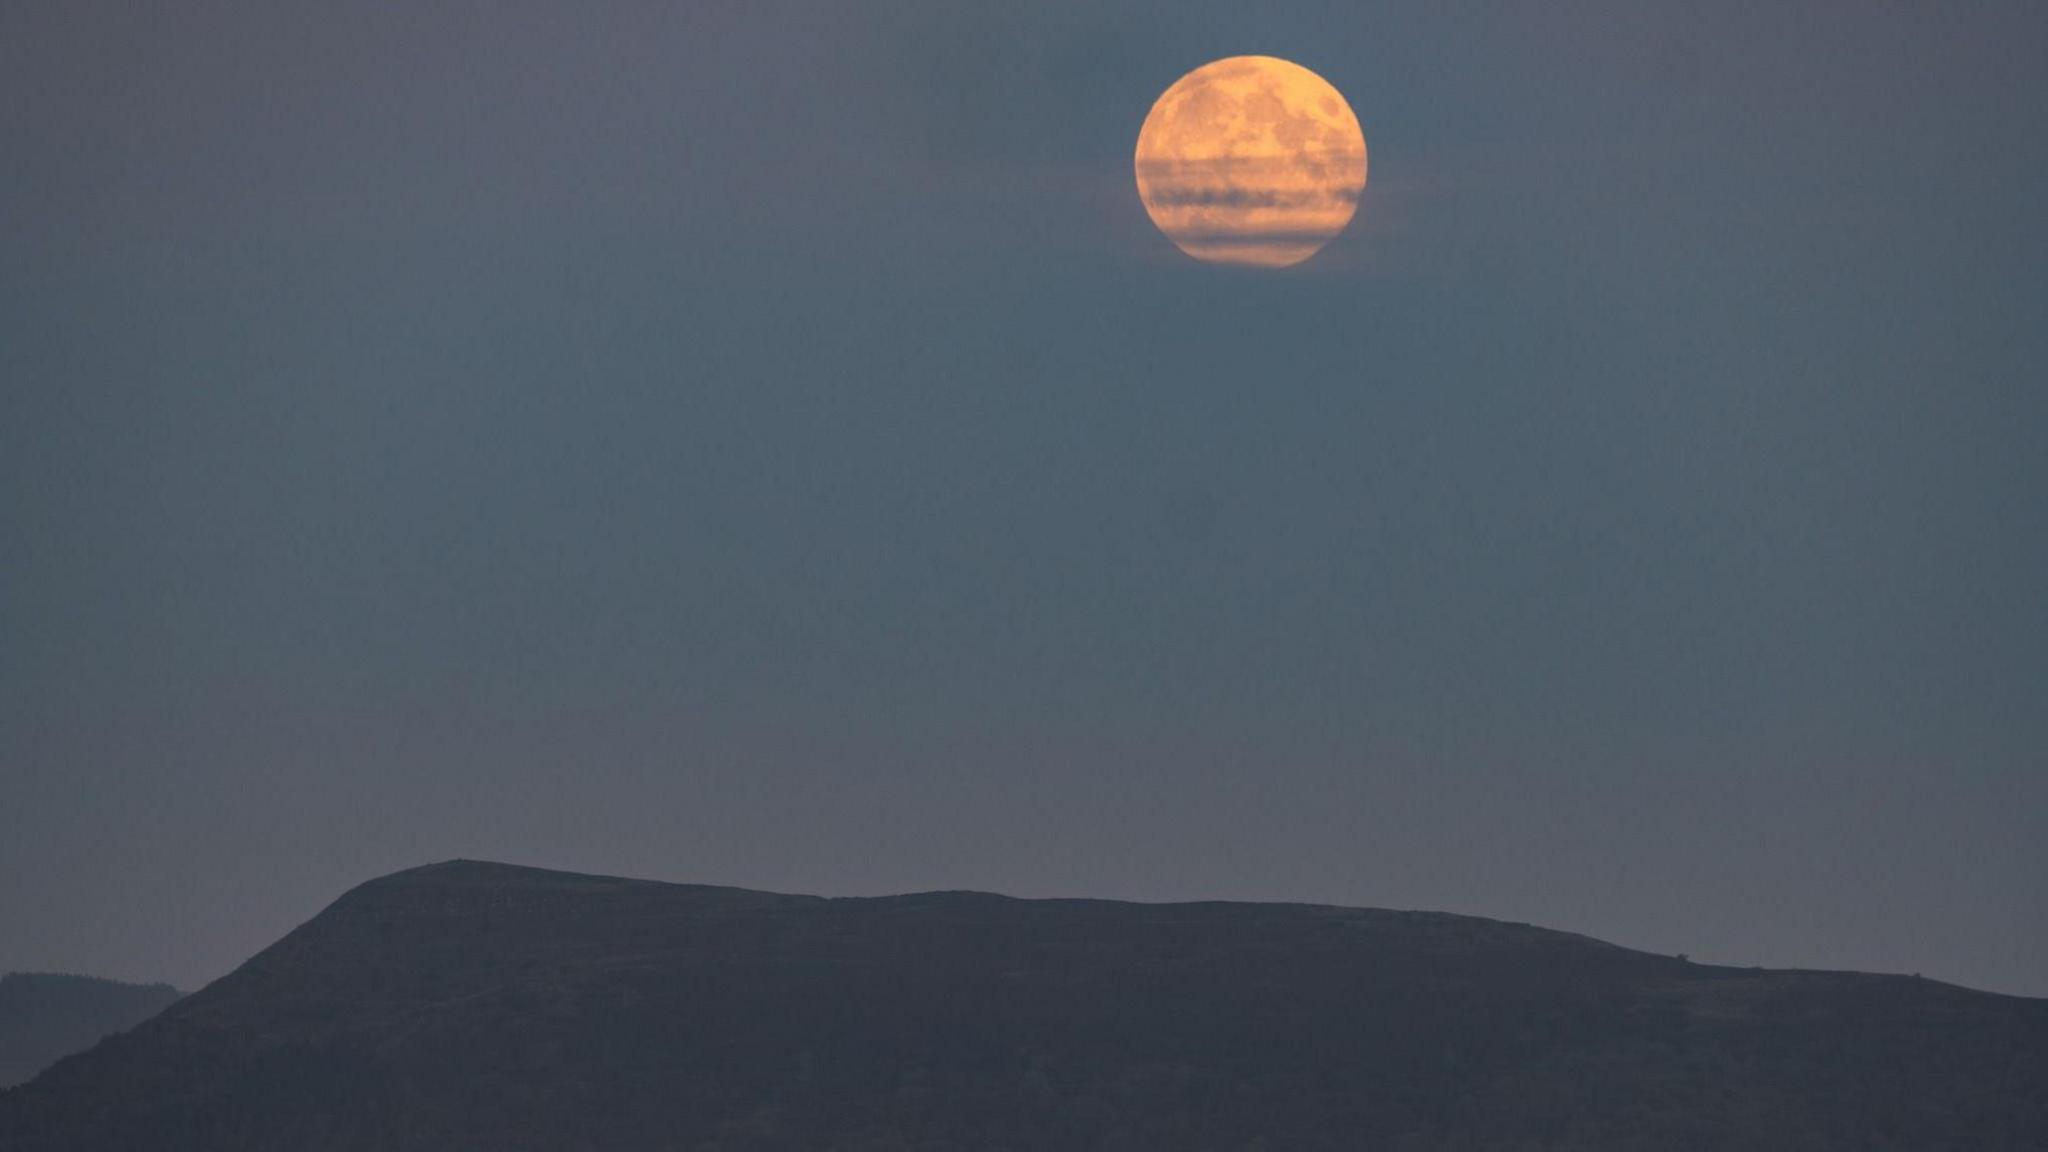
x=768 y=444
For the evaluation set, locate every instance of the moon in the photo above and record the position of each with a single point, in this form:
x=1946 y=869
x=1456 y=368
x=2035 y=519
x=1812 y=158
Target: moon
x=1251 y=160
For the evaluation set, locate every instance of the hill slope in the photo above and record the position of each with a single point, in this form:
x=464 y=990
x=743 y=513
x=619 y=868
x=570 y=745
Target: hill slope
x=44 y=1016
x=480 y=1006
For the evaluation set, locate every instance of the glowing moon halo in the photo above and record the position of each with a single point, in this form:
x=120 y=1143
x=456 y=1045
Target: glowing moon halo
x=1251 y=160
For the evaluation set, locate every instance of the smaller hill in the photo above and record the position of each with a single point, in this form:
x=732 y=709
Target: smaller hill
x=45 y=1017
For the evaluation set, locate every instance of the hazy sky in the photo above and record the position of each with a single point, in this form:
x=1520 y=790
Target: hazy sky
x=768 y=444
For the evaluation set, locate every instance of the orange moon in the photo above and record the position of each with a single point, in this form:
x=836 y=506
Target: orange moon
x=1251 y=160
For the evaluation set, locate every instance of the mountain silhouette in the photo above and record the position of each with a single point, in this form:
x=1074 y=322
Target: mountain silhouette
x=47 y=1015
x=483 y=1006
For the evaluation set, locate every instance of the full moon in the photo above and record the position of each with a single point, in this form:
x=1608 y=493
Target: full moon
x=1251 y=160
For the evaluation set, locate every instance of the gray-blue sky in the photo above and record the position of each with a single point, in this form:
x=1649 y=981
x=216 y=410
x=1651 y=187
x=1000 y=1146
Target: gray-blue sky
x=767 y=444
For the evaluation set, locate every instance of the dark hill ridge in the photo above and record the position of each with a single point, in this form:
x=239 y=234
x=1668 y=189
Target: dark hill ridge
x=48 y=1015
x=482 y=1006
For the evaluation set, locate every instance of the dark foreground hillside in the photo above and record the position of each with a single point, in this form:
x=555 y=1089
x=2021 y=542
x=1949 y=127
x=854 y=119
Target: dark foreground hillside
x=46 y=1015
x=479 y=1006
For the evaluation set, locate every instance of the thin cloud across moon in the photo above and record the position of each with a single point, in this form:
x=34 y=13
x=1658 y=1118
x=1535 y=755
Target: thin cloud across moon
x=1251 y=160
